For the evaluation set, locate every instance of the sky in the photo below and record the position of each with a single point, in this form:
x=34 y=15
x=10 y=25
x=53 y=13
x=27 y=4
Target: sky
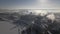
x=37 y=4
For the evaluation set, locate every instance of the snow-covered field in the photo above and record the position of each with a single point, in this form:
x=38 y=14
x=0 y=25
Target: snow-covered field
x=6 y=19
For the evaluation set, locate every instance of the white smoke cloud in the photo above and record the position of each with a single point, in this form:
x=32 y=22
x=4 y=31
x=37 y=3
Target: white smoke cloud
x=51 y=17
x=40 y=12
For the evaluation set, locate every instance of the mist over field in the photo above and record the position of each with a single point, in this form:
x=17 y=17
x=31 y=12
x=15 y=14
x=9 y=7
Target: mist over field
x=20 y=21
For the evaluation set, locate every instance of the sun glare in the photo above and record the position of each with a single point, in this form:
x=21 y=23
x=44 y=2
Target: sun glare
x=42 y=1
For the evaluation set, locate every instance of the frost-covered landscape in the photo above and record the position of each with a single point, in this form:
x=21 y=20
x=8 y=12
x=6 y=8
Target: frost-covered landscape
x=27 y=21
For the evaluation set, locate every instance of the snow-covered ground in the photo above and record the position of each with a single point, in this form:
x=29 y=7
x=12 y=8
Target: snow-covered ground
x=5 y=28
x=6 y=25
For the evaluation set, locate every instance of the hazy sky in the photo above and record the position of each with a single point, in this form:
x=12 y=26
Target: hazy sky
x=49 y=4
